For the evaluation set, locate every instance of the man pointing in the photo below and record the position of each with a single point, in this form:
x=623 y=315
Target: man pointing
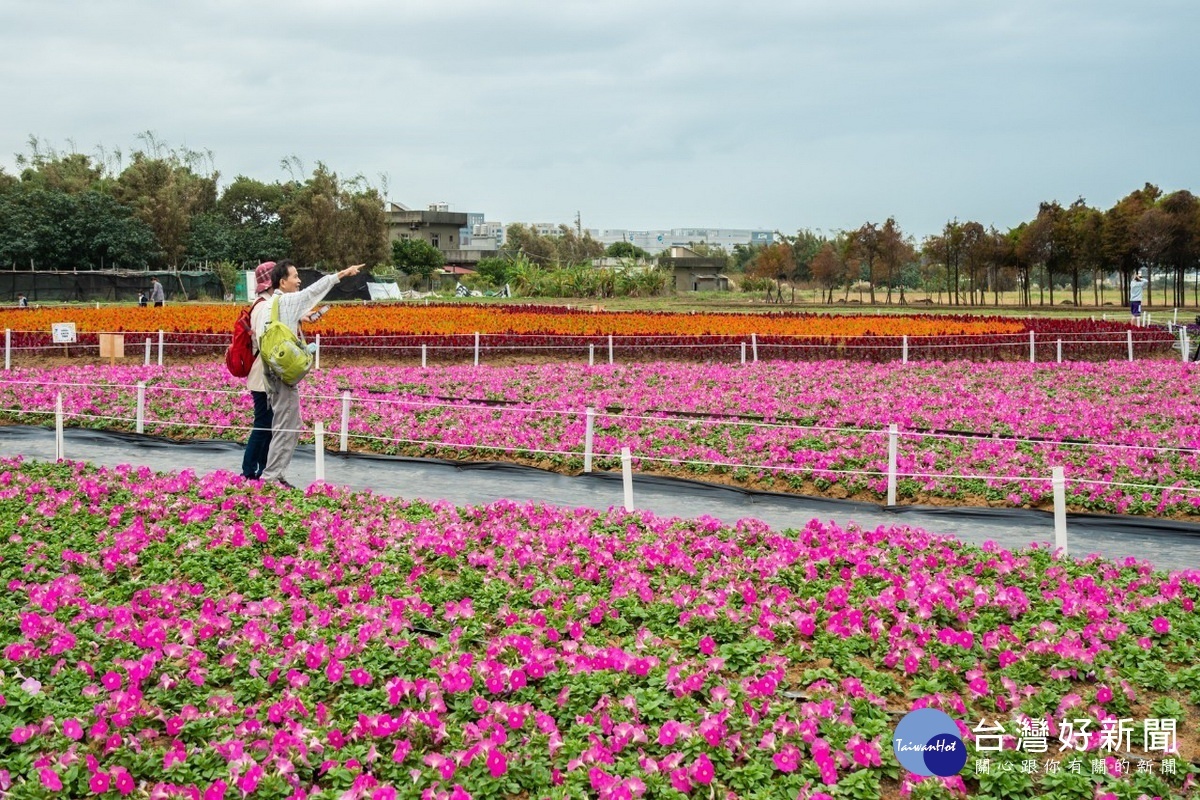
x=294 y=305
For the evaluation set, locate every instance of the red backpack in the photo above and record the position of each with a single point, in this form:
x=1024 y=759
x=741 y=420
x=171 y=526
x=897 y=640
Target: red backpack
x=239 y=358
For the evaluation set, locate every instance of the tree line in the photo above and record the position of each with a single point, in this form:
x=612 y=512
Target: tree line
x=162 y=207
x=1063 y=255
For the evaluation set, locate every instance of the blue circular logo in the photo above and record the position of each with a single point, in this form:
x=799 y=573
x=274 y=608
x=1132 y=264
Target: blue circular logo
x=927 y=743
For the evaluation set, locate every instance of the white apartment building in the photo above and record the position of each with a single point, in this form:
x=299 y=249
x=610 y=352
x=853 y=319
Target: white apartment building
x=655 y=241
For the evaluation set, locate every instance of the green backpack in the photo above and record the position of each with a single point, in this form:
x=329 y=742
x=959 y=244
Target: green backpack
x=282 y=351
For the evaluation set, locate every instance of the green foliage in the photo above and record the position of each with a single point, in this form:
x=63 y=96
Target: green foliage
x=56 y=230
x=167 y=194
x=743 y=255
x=584 y=281
x=493 y=270
x=417 y=257
x=330 y=222
x=245 y=227
x=566 y=247
x=756 y=284
x=626 y=250
x=229 y=275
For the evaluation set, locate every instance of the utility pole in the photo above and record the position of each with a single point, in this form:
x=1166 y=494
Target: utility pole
x=578 y=225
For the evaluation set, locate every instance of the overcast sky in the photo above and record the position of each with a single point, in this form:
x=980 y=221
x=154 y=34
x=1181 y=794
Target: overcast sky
x=640 y=115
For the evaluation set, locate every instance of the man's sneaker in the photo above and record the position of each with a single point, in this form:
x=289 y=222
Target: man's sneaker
x=285 y=484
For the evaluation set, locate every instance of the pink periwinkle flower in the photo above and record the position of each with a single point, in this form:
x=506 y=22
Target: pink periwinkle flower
x=124 y=781
x=72 y=729
x=680 y=781
x=702 y=771
x=50 y=779
x=497 y=763
x=787 y=759
x=249 y=782
x=99 y=783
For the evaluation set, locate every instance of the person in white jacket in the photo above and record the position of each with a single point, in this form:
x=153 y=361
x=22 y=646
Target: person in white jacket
x=294 y=305
x=254 y=460
x=1136 y=287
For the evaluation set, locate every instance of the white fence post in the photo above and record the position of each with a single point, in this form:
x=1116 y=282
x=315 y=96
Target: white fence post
x=477 y=348
x=59 y=449
x=591 y=354
x=1032 y=350
x=345 y=442
x=1186 y=347
x=1129 y=340
x=588 y=434
x=160 y=348
x=893 y=457
x=1058 y=482
x=424 y=349
x=141 y=407
x=627 y=478
x=904 y=350
x=743 y=352
x=610 y=349
x=319 y=449
x=754 y=346
x=1059 y=350
x=1175 y=316
x=317 y=353
x=147 y=351
x=7 y=349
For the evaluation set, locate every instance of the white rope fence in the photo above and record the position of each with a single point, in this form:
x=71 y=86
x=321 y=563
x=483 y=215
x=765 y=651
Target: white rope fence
x=748 y=347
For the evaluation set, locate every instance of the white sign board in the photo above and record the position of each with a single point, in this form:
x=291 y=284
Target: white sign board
x=63 y=332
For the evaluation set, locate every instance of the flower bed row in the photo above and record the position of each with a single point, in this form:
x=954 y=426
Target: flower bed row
x=175 y=636
x=390 y=332
x=971 y=433
x=460 y=318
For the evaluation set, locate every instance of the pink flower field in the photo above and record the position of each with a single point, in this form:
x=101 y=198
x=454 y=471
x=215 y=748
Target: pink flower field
x=1127 y=434
x=168 y=635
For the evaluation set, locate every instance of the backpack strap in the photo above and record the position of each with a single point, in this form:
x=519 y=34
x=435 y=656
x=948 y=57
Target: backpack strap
x=275 y=309
x=250 y=324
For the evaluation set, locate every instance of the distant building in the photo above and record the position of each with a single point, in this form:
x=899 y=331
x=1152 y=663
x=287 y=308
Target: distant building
x=485 y=236
x=693 y=272
x=438 y=226
x=545 y=228
x=656 y=241
x=465 y=235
